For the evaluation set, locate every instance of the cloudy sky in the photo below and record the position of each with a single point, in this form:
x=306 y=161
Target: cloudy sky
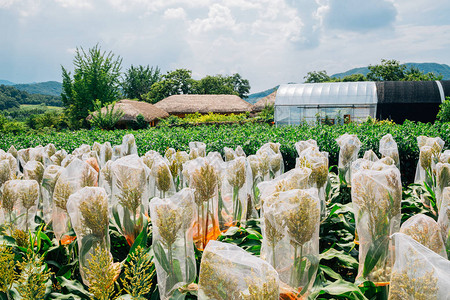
x=269 y=42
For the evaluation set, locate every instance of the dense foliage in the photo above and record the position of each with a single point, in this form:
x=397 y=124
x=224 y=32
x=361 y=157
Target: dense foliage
x=138 y=81
x=387 y=70
x=96 y=77
x=11 y=97
x=52 y=88
x=250 y=137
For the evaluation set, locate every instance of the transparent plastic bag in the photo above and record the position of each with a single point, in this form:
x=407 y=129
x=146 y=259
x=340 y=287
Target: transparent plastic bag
x=51 y=175
x=234 y=191
x=444 y=219
x=430 y=149
x=105 y=178
x=200 y=146
x=161 y=179
x=75 y=176
x=388 y=148
x=88 y=211
x=130 y=195
x=12 y=161
x=271 y=160
x=349 y=147
x=58 y=157
x=370 y=155
x=83 y=149
x=303 y=145
x=297 y=178
x=203 y=178
x=318 y=163
x=418 y=272
x=20 y=199
x=290 y=229
x=128 y=145
x=229 y=272
x=172 y=221
x=229 y=153
x=34 y=170
x=442 y=181
x=376 y=199
x=116 y=152
x=426 y=231
x=5 y=172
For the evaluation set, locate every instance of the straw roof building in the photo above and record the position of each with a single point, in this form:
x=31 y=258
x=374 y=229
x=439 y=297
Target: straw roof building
x=180 y=105
x=132 y=108
x=268 y=100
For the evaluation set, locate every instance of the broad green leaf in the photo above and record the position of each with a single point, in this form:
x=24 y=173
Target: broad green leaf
x=160 y=256
x=346 y=259
x=377 y=250
x=86 y=244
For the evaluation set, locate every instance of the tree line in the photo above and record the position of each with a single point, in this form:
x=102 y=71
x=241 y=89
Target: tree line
x=98 y=77
x=11 y=97
x=387 y=70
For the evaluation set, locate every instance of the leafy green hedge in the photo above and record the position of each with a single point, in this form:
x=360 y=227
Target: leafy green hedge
x=250 y=137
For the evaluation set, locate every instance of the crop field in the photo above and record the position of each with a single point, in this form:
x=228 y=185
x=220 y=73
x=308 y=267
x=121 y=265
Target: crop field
x=246 y=211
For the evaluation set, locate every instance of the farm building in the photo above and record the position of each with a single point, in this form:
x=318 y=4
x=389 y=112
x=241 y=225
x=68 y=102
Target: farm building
x=268 y=100
x=355 y=101
x=132 y=108
x=181 y=105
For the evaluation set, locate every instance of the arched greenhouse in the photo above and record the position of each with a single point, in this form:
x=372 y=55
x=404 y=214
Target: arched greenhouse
x=339 y=102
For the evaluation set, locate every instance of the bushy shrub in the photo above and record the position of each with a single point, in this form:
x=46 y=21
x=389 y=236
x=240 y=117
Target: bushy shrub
x=444 y=112
x=140 y=122
x=105 y=120
x=267 y=114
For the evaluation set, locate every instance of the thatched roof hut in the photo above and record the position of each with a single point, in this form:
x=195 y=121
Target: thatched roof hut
x=132 y=108
x=268 y=100
x=181 y=105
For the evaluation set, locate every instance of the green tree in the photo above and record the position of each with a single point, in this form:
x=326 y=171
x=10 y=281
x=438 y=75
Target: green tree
x=215 y=85
x=96 y=77
x=173 y=83
x=388 y=70
x=354 y=77
x=240 y=85
x=444 y=112
x=139 y=80
x=317 y=76
x=414 y=74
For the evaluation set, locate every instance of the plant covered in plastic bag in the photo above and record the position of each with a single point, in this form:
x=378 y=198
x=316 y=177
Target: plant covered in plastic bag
x=229 y=272
x=388 y=148
x=234 y=190
x=376 y=198
x=88 y=210
x=291 y=236
x=349 y=147
x=130 y=194
x=173 y=241
x=444 y=219
x=426 y=231
x=50 y=177
x=418 y=273
x=430 y=150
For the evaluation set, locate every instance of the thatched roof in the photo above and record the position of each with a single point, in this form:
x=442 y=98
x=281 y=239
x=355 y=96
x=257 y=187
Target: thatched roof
x=187 y=104
x=133 y=108
x=268 y=100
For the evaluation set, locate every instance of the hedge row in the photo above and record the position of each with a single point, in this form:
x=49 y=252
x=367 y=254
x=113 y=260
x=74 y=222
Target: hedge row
x=250 y=137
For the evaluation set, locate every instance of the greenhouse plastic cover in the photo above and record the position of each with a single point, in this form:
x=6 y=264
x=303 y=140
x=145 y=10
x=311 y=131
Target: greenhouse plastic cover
x=329 y=93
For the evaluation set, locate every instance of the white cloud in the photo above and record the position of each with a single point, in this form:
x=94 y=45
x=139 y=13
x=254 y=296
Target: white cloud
x=219 y=17
x=175 y=13
x=77 y=4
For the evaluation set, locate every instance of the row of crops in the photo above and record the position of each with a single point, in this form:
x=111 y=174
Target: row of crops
x=104 y=222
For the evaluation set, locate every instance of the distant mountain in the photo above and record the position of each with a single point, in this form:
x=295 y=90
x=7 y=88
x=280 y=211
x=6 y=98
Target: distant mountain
x=438 y=69
x=51 y=88
x=253 y=98
x=6 y=82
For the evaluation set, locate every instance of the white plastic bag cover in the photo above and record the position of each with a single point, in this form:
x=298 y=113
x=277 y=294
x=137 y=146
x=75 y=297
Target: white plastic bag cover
x=430 y=149
x=229 y=153
x=13 y=165
x=291 y=236
x=203 y=178
x=58 y=157
x=297 y=178
x=51 y=175
x=418 y=272
x=88 y=210
x=370 y=155
x=172 y=221
x=426 y=231
x=234 y=191
x=200 y=146
x=302 y=145
x=105 y=178
x=75 y=176
x=349 y=147
x=130 y=195
x=5 y=172
x=34 y=170
x=388 y=148
x=78 y=152
x=239 y=151
x=161 y=177
x=116 y=152
x=20 y=199
x=128 y=145
x=442 y=181
x=270 y=155
x=229 y=272
x=444 y=219
x=376 y=198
